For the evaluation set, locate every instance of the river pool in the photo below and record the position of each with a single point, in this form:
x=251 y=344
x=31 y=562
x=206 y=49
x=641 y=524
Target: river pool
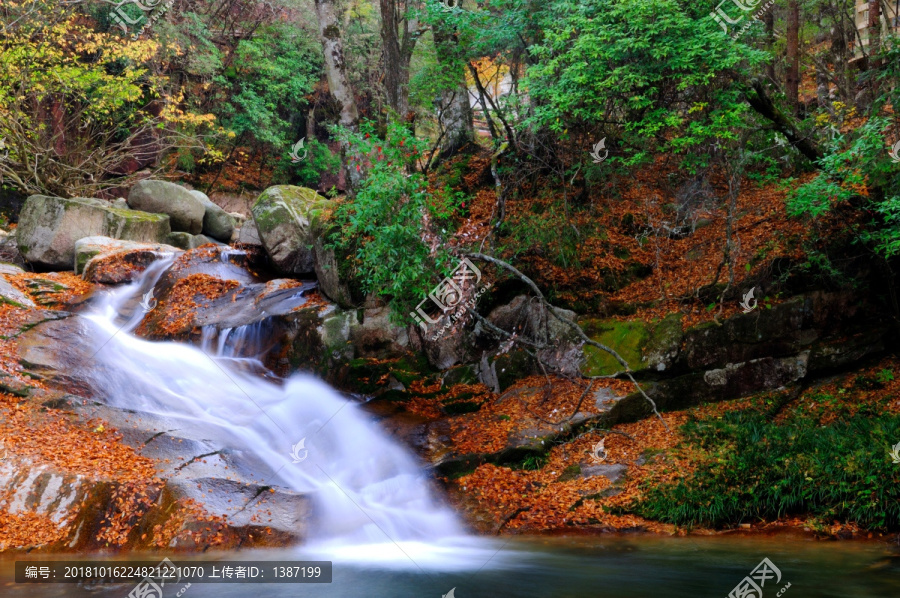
x=636 y=566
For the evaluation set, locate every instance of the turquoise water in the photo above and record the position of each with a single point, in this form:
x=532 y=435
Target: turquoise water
x=559 y=567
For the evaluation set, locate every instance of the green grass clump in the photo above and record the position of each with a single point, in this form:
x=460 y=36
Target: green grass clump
x=753 y=468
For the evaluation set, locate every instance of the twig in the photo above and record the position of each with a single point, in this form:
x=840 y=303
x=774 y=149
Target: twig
x=575 y=327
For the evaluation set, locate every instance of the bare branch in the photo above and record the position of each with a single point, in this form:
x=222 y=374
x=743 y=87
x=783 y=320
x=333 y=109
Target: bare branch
x=555 y=311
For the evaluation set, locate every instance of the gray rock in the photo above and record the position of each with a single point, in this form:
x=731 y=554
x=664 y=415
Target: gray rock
x=203 y=197
x=528 y=318
x=10 y=269
x=198 y=240
x=180 y=239
x=88 y=248
x=120 y=203
x=113 y=261
x=287 y=219
x=328 y=275
x=611 y=472
x=248 y=235
x=9 y=293
x=217 y=223
x=377 y=336
x=9 y=250
x=185 y=211
x=50 y=226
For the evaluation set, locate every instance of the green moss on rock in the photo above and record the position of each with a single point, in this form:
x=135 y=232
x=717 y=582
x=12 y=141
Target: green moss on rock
x=626 y=338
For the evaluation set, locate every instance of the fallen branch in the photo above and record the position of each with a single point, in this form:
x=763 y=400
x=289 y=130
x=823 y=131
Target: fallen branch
x=572 y=325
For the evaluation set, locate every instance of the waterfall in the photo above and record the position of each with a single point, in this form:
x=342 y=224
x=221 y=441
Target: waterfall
x=297 y=432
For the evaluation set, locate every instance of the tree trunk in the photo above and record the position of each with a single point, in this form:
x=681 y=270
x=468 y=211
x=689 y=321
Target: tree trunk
x=792 y=76
x=769 y=21
x=823 y=87
x=335 y=69
x=456 y=120
x=398 y=51
x=336 y=72
x=764 y=105
x=874 y=31
x=311 y=124
x=454 y=111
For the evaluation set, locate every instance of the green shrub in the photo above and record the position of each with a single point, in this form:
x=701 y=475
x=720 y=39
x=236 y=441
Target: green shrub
x=384 y=224
x=754 y=468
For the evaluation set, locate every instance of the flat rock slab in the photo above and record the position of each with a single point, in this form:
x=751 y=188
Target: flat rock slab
x=116 y=261
x=222 y=481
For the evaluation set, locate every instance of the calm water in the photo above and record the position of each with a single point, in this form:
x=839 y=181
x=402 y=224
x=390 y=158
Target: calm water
x=612 y=567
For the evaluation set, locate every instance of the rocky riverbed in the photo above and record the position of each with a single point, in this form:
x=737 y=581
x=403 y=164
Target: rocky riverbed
x=514 y=446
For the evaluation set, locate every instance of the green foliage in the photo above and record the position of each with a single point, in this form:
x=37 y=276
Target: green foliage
x=267 y=84
x=306 y=172
x=755 y=468
x=852 y=167
x=535 y=462
x=385 y=223
x=661 y=70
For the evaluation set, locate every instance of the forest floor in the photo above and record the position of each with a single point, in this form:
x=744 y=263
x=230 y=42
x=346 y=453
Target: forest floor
x=563 y=490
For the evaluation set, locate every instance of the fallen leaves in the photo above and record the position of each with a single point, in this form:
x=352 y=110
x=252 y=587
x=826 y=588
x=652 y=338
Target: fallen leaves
x=53 y=290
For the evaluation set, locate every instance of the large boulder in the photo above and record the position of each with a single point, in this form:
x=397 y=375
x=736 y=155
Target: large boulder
x=50 y=226
x=217 y=223
x=377 y=336
x=333 y=283
x=185 y=211
x=248 y=235
x=287 y=219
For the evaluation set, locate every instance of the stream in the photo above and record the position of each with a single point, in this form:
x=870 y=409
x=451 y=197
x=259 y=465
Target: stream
x=376 y=513
x=296 y=433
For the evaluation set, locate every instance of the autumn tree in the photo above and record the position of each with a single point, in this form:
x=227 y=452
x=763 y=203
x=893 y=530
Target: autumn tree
x=80 y=111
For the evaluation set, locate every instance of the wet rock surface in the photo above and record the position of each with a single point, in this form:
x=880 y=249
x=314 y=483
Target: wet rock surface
x=114 y=261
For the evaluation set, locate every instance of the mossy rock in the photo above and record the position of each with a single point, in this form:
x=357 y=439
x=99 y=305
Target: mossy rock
x=162 y=197
x=463 y=374
x=461 y=407
x=50 y=226
x=362 y=375
x=643 y=346
x=625 y=338
x=289 y=219
x=512 y=367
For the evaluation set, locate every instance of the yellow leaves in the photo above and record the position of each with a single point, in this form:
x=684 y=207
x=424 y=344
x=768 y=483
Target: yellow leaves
x=698 y=107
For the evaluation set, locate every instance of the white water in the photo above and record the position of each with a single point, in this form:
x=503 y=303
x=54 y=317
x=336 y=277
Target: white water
x=366 y=489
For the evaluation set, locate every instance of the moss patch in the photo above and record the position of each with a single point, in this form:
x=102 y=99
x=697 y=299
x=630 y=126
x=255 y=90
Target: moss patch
x=626 y=338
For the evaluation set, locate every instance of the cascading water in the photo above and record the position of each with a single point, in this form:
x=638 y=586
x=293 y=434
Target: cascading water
x=365 y=488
